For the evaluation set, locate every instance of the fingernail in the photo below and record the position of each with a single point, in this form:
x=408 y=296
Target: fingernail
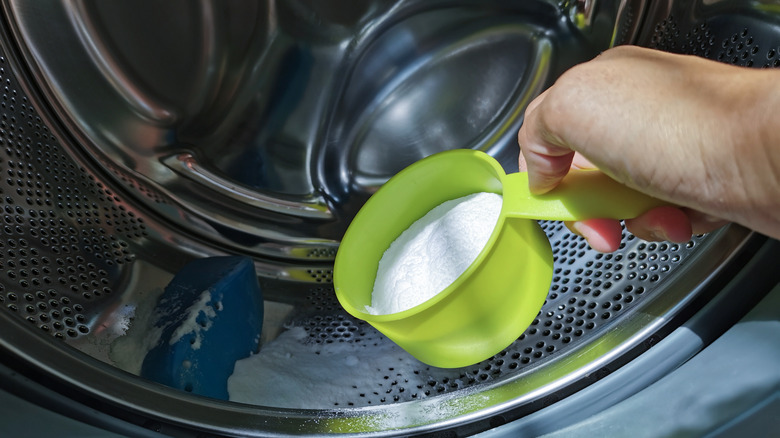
x=711 y=219
x=594 y=240
x=659 y=235
x=579 y=229
x=575 y=227
x=582 y=166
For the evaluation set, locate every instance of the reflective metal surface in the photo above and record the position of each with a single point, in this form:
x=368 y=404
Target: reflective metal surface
x=138 y=136
x=263 y=126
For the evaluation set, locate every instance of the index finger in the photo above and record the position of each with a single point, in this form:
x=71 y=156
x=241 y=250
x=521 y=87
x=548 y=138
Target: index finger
x=542 y=154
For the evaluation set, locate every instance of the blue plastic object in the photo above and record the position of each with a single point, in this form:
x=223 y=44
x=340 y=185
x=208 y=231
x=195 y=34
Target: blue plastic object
x=210 y=316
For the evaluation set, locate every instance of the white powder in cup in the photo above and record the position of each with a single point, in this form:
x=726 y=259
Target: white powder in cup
x=433 y=252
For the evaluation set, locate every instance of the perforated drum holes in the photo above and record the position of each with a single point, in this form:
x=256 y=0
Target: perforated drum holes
x=76 y=256
x=665 y=35
x=322 y=299
x=329 y=329
x=712 y=39
x=589 y=293
x=49 y=311
x=321 y=275
x=629 y=21
x=135 y=183
x=322 y=253
x=64 y=236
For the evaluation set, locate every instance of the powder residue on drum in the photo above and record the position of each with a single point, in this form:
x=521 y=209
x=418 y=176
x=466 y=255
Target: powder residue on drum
x=127 y=352
x=433 y=252
x=293 y=371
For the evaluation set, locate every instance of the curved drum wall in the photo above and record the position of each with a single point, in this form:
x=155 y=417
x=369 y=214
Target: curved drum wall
x=136 y=138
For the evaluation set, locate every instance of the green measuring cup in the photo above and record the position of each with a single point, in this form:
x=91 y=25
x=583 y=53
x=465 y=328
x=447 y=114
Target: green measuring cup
x=501 y=292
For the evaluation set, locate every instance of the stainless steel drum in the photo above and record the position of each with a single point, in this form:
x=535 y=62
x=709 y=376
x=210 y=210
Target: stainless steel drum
x=139 y=135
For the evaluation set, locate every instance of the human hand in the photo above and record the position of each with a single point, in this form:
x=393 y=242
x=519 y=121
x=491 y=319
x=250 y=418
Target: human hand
x=679 y=128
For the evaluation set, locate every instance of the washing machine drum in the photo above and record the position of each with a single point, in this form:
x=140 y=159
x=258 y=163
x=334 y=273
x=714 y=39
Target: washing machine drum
x=138 y=136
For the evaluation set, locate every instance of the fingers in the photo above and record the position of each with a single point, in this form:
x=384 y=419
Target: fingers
x=580 y=162
x=546 y=159
x=603 y=235
x=702 y=223
x=666 y=223
x=592 y=110
x=522 y=134
x=661 y=223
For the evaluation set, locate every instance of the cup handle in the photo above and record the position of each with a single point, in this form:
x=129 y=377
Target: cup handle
x=583 y=194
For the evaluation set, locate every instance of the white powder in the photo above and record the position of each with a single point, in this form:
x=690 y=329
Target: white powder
x=293 y=372
x=433 y=252
x=192 y=323
x=127 y=352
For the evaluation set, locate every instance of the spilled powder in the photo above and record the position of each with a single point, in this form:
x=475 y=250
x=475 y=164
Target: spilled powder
x=196 y=324
x=127 y=352
x=293 y=372
x=433 y=252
